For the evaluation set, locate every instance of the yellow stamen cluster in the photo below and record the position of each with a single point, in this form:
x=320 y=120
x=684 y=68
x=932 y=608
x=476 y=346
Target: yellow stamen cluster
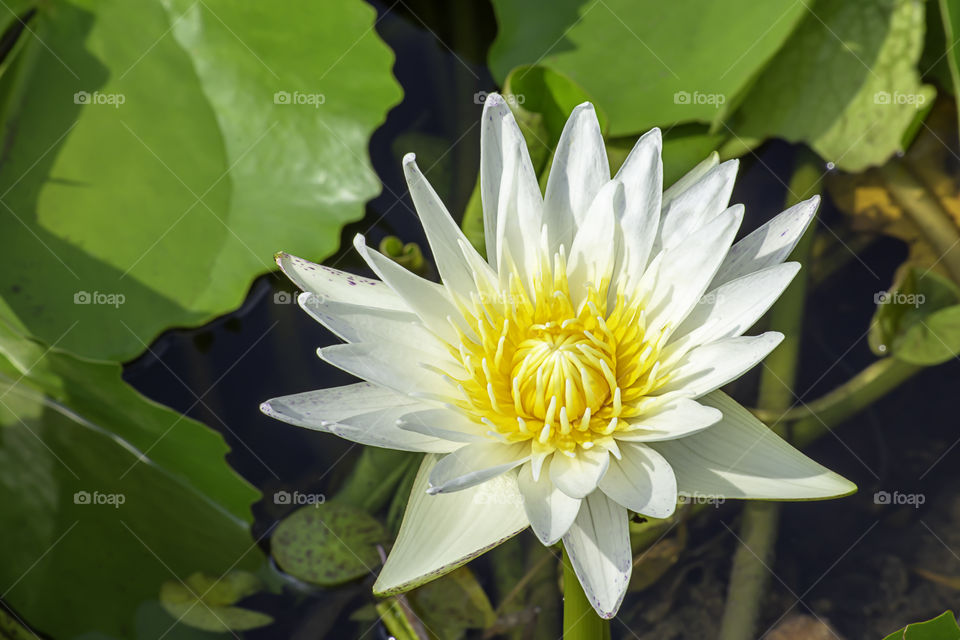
x=554 y=369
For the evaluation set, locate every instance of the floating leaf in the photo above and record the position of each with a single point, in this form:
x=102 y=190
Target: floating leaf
x=206 y=602
x=943 y=627
x=918 y=320
x=845 y=83
x=635 y=56
x=453 y=604
x=158 y=152
x=328 y=544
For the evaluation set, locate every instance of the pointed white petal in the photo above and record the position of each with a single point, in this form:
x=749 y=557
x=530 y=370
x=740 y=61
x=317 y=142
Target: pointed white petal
x=359 y=412
x=740 y=457
x=580 y=168
x=732 y=308
x=442 y=232
x=551 y=512
x=675 y=419
x=339 y=285
x=768 y=245
x=594 y=246
x=505 y=162
x=577 y=476
x=682 y=274
x=642 y=177
x=390 y=365
x=442 y=532
x=519 y=212
x=690 y=178
x=446 y=424
x=697 y=205
x=641 y=481
x=713 y=365
x=427 y=299
x=356 y=323
x=476 y=463
x=598 y=545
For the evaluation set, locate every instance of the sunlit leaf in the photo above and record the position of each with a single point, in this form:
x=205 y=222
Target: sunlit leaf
x=157 y=154
x=943 y=627
x=845 y=82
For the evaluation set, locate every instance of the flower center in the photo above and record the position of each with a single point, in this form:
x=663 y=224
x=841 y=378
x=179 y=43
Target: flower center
x=558 y=370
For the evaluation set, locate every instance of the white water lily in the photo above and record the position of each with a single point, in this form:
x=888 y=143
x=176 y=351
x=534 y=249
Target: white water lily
x=571 y=377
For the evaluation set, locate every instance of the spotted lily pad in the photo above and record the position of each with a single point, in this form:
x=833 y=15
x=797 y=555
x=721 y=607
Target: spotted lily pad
x=328 y=544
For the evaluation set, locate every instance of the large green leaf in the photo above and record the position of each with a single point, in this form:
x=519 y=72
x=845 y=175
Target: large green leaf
x=845 y=83
x=158 y=152
x=635 y=56
x=105 y=495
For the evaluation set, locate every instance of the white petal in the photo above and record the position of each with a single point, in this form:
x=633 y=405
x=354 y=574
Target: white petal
x=551 y=512
x=392 y=365
x=577 y=476
x=442 y=232
x=740 y=457
x=732 y=308
x=356 y=323
x=677 y=418
x=505 y=163
x=519 y=211
x=359 y=412
x=641 y=481
x=697 y=205
x=442 y=532
x=710 y=366
x=427 y=299
x=580 y=168
x=642 y=177
x=678 y=277
x=339 y=285
x=598 y=545
x=476 y=463
x=594 y=249
x=446 y=424
x=690 y=178
x=768 y=245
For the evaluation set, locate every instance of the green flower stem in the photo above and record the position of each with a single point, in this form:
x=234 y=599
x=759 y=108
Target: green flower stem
x=812 y=419
x=758 y=528
x=580 y=621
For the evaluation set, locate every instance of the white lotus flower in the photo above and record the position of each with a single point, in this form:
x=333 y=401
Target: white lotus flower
x=571 y=378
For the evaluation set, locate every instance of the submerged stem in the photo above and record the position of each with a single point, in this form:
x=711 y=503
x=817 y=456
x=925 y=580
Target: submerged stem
x=580 y=621
x=758 y=528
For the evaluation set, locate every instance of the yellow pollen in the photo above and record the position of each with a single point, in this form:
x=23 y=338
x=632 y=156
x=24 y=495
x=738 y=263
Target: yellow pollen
x=554 y=367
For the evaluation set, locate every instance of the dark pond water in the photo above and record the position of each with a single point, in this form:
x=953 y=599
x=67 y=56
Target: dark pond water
x=220 y=373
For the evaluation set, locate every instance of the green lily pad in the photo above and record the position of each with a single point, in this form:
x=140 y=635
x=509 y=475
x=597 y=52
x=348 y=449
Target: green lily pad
x=647 y=63
x=104 y=494
x=918 y=320
x=328 y=544
x=943 y=627
x=845 y=83
x=159 y=152
x=206 y=602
